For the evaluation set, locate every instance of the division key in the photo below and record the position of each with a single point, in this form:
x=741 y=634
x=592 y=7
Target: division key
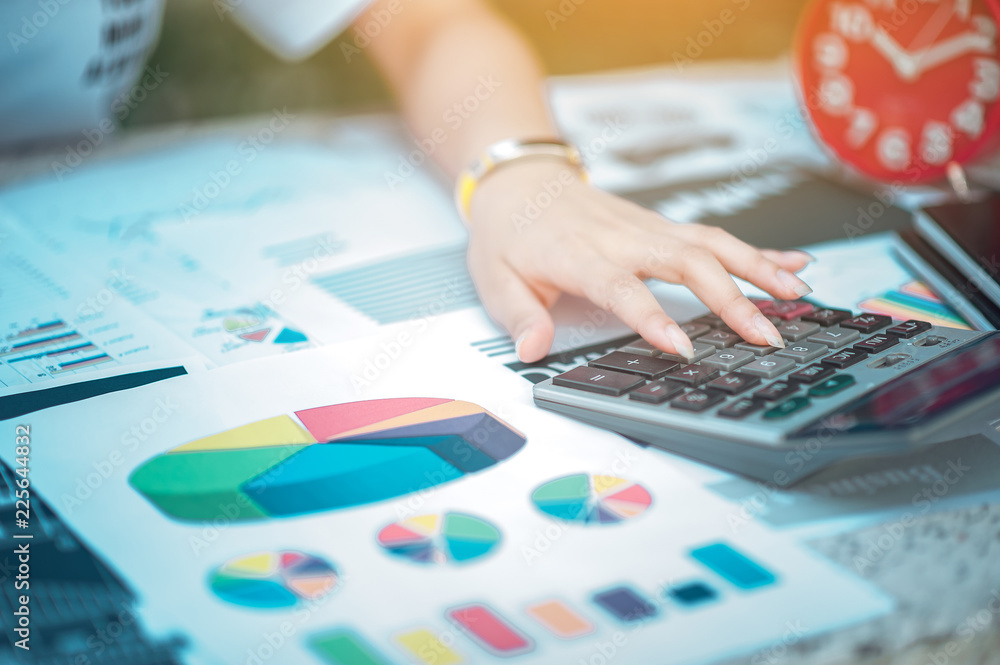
x=595 y=380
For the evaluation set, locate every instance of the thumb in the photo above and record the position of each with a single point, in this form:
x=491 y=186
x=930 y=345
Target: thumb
x=516 y=307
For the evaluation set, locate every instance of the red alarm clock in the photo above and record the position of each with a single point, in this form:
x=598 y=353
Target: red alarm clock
x=900 y=88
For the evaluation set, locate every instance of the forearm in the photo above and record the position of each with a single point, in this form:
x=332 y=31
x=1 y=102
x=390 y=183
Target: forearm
x=464 y=77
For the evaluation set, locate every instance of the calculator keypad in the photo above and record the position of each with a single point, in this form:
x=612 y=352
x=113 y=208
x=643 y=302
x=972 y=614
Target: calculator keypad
x=744 y=379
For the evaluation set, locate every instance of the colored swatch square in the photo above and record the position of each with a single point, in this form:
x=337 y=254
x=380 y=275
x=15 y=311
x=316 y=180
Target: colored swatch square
x=426 y=648
x=560 y=619
x=733 y=566
x=343 y=647
x=490 y=630
x=625 y=604
x=692 y=593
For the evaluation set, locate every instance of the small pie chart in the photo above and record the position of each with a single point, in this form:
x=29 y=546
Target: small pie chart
x=272 y=580
x=439 y=538
x=592 y=499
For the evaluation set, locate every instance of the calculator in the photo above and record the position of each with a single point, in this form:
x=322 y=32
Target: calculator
x=845 y=386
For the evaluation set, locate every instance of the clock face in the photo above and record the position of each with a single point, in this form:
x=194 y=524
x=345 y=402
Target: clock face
x=900 y=88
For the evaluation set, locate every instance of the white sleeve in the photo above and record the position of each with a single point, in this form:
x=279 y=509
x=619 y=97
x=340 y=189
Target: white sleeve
x=295 y=29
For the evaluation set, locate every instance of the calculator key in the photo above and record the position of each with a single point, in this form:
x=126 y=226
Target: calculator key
x=657 y=392
x=757 y=349
x=633 y=363
x=777 y=390
x=890 y=360
x=642 y=347
x=832 y=386
x=768 y=367
x=720 y=339
x=728 y=360
x=786 y=310
x=697 y=400
x=909 y=329
x=597 y=380
x=700 y=351
x=827 y=317
x=803 y=352
x=797 y=330
x=877 y=343
x=711 y=320
x=867 y=323
x=694 y=375
x=811 y=374
x=741 y=408
x=844 y=358
x=734 y=383
x=835 y=337
x=787 y=408
x=693 y=330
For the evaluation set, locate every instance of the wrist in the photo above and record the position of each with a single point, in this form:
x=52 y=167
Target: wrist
x=537 y=181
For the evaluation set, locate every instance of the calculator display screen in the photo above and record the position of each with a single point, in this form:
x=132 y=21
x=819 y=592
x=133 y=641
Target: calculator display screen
x=923 y=392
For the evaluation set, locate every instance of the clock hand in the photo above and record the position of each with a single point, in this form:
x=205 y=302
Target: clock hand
x=952 y=48
x=897 y=56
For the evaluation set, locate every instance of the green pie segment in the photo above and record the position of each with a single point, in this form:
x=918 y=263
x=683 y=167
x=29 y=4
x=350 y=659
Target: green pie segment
x=439 y=539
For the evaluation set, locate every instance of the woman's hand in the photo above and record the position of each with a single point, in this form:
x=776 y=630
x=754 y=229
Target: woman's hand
x=537 y=231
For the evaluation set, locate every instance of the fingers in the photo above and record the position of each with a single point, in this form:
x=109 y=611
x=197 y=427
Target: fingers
x=515 y=307
x=792 y=260
x=753 y=265
x=624 y=295
x=702 y=272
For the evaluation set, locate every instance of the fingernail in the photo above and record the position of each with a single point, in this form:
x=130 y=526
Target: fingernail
x=767 y=329
x=680 y=341
x=517 y=345
x=800 y=288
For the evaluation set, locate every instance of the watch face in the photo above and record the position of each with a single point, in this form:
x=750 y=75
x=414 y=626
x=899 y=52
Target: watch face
x=900 y=88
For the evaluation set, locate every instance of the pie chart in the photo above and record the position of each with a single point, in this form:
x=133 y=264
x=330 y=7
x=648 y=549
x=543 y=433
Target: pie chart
x=271 y=580
x=325 y=458
x=439 y=539
x=592 y=499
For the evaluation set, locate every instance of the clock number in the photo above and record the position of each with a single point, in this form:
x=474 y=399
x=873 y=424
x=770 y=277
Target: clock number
x=986 y=85
x=863 y=125
x=893 y=148
x=969 y=118
x=836 y=94
x=852 y=21
x=830 y=51
x=935 y=147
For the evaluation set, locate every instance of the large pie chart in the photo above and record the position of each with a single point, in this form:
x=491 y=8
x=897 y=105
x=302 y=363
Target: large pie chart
x=273 y=579
x=325 y=458
x=439 y=538
x=592 y=499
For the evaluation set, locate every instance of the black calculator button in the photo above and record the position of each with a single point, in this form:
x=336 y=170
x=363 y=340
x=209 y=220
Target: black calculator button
x=908 y=329
x=642 y=348
x=757 y=349
x=595 y=380
x=867 y=323
x=741 y=408
x=787 y=408
x=697 y=400
x=710 y=320
x=844 y=358
x=832 y=386
x=827 y=317
x=657 y=392
x=693 y=329
x=693 y=375
x=777 y=390
x=635 y=363
x=768 y=367
x=734 y=383
x=811 y=374
x=877 y=343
